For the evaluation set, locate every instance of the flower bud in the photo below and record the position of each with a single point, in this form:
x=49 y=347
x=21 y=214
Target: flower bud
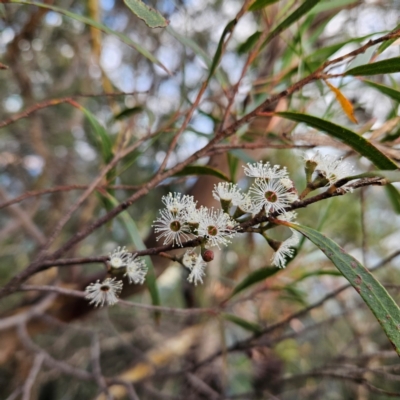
x=207 y=255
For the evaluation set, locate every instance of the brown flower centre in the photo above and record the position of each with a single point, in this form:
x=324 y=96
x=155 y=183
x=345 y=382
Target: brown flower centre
x=271 y=196
x=212 y=230
x=105 y=288
x=175 y=226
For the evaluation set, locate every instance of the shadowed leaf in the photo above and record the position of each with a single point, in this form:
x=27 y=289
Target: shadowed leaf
x=255 y=277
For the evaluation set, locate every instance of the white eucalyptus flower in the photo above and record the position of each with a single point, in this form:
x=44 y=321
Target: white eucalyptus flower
x=227 y=192
x=271 y=195
x=217 y=227
x=196 y=264
x=105 y=293
x=265 y=171
x=247 y=205
x=331 y=168
x=176 y=203
x=173 y=227
x=285 y=250
x=119 y=258
x=136 y=270
x=289 y=216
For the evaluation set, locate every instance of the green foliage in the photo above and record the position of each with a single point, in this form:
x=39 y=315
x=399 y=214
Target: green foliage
x=372 y=292
x=388 y=66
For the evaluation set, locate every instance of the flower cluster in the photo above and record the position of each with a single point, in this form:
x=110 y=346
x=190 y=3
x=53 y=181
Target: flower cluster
x=270 y=195
x=119 y=262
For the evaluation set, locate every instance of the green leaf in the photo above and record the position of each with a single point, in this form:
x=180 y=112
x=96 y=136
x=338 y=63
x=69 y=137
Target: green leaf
x=243 y=323
x=387 y=43
x=372 y=292
x=202 y=170
x=394 y=197
x=388 y=66
x=260 y=4
x=149 y=15
x=294 y=294
x=100 y=135
x=186 y=41
x=97 y=25
x=151 y=280
x=331 y=4
x=392 y=93
x=255 y=277
x=127 y=112
x=352 y=139
x=233 y=163
x=292 y=18
x=316 y=273
x=249 y=43
x=217 y=57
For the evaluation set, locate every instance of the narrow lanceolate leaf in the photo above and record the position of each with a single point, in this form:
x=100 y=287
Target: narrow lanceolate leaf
x=388 y=91
x=100 y=135
x=372 y=292
x=255 y=277
x=352 y=139
x=344 y=102
x=202 y=170
x=243 y=323
x=387 y=43
x=394 y=197
x=292 y=18
x=388 y=66
x=149 y=15
x=218 y=54
x=98 y=25
x=260 y=4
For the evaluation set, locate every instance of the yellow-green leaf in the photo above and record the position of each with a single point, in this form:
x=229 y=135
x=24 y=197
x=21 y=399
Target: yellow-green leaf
x=149 y=15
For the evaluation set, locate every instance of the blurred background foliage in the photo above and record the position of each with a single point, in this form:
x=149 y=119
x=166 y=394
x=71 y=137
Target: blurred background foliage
x=336 y=350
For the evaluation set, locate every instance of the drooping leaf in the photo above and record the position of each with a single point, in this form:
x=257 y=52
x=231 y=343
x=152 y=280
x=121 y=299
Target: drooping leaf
x=388 y=66
x=127 y=112
x=249 y=43
x=394 y=197
x=344 y=102
x=317 y=273
x=331 y=4
x=292 y=18
x=293 y=294
x=260 y=4
x=243 y=323
x=387 y=43
x=202 y=170
x=388 y=91
x=352 y=139
x=186 y=41
x=149 y=15
x=233 y=163
x=218 y=53
x=100 y=135
x=372 y=292
x=97 y=25
x=255 y=277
